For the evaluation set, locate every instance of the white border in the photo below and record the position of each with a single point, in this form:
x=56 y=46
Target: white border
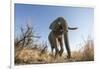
x=75 y=3
x=12 y=36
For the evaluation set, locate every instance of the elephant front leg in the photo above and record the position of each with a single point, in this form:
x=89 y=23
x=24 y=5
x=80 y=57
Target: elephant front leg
x=61 y=45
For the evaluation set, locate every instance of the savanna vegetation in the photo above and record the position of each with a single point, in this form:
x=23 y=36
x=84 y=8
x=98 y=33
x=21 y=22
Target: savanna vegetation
x=29 y=51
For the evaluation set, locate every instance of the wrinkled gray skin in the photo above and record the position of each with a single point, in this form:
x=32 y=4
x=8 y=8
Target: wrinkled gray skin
x=59 y=30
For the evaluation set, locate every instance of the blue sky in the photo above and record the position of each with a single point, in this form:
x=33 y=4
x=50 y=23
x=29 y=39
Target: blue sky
x=41 y=16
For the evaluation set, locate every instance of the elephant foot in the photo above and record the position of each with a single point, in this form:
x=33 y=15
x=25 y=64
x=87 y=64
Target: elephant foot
x=60 y=53
x=68 y=57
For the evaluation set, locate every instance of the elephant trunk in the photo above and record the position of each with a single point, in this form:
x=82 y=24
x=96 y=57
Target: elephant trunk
x=67 y=44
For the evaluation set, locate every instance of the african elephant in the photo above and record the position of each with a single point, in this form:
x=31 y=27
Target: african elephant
x=59 y=29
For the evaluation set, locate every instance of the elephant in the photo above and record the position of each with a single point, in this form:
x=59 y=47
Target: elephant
x=59 y=30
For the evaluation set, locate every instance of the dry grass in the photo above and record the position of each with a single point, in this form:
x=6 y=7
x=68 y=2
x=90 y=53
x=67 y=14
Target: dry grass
x=86 y=53
x=39 y=55
x=31 y=56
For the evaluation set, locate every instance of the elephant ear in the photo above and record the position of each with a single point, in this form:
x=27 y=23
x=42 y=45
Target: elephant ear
x=53 y=25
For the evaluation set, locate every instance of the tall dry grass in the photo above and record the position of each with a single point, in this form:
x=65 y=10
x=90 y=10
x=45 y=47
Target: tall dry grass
x=86 y=52
x=40 y=55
